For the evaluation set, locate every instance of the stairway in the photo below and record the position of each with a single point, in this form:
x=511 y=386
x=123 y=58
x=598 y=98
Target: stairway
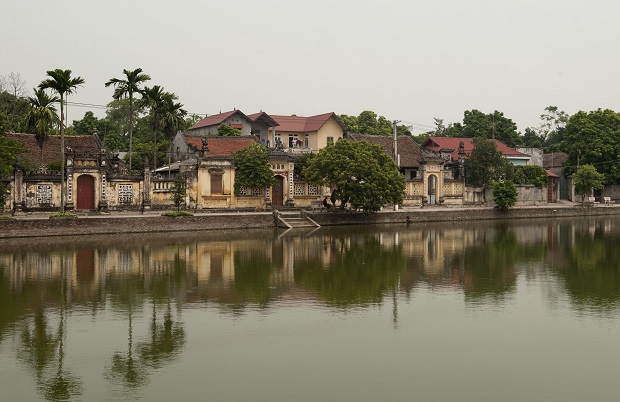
x=295 y=219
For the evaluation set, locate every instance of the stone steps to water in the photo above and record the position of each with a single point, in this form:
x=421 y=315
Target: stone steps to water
x=296 y=220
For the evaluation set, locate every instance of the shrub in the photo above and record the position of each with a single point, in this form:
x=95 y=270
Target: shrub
x=504 y=194
x=173 y=214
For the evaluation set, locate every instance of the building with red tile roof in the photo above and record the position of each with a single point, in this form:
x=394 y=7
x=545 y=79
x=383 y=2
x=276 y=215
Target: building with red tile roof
x=38 y=157
x=451 y=145
x=311 y=133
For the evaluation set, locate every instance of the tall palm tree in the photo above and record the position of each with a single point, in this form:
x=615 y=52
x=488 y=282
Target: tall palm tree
x=153 y=99
x=42 y=116
x=172 y=115
x=126 y=88
x=62 y=83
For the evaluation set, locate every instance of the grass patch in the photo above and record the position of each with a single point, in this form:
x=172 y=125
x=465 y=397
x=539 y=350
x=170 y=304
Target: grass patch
x=5 y=217
x=60 y=215
x=177 y=213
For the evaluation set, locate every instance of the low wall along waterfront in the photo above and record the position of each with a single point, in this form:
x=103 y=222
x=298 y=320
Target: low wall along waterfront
x=151 y=223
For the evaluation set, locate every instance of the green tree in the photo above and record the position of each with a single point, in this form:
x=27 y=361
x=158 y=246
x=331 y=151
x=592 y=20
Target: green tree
x=364 y=175
x=301 y=162
x=486 y=164
x=41 y=117
x=153 y=99
x=533 y=174
x=126 y=88
x=350 y=123
x=172 y=115
x=594 y=138
x=531 y=139
x=492 y=125
x=368 y=122
x=86 y=125
x=9 y=151
x=178 y=196
x=225 y=130
x=504 y=194
x=586 y=179
x=13 y=102
x=553 y=123
x=253 y=167
x=63 y=84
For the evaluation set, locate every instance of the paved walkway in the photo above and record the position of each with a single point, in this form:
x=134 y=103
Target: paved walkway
x=408 y=209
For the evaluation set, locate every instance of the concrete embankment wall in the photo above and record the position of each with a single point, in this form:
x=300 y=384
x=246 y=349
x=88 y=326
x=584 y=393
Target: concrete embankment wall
x=20 y=228
x=442 y=215
x=15 y=228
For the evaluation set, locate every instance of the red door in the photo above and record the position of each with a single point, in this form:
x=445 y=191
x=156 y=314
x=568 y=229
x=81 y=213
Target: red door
x=86 y=192
x=277 y=192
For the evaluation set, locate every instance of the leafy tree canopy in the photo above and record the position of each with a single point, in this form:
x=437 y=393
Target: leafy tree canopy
x=363 y=174
x=225 y=130
x=368 y=122
x=533 y=174
x=253 y=167
x=486 y=164
x=594 y=138
x=492 y=125
x=586 y=179
x=9 y=151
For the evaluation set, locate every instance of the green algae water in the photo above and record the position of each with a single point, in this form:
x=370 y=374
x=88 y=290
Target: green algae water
x=519 y=310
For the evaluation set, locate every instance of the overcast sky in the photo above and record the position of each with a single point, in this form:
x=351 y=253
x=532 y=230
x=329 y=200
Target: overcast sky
x=407 y=60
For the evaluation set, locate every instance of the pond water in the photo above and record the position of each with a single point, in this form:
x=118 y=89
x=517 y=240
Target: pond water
x=520 y=310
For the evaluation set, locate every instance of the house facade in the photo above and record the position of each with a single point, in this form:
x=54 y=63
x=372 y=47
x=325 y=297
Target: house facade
x=298 y=134
x=450 y=145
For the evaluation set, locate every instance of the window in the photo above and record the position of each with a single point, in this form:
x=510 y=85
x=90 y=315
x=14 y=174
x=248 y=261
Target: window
x=292 y=140
x=413 y=174
x=216 y=184
x=306 y=142
x=330 y=140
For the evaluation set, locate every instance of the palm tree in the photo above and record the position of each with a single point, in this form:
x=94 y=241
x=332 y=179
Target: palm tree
x=126 y=88
x=172 y=115
x=62 y=83
x=166 y=115
x=42 y=116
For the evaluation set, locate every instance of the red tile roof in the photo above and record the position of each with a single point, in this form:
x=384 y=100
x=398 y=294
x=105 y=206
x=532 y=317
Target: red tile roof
x=51 y=147
x=300 y=124
x=410 y=152
x=268 y=120
x=216 y=119
x=222 y=147
x=438 y=143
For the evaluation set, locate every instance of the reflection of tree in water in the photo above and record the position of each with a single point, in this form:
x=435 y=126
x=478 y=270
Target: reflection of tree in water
x=488 y=267
x=166 y=340
x=133 y=367
x=590 y=279
x=126 y=294
x=124 y=368
x=361 y=271
x=40 y=347
x=252 y=280
x=63 y=385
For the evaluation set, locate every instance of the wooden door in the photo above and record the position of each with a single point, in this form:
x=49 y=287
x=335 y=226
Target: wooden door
x=432 y=189
x=277 y=192
x=86 y=192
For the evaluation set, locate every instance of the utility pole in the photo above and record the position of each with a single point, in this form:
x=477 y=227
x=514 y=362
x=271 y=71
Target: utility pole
x=395 y=147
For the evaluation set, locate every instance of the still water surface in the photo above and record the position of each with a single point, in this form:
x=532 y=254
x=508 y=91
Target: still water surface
x=475 y=312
